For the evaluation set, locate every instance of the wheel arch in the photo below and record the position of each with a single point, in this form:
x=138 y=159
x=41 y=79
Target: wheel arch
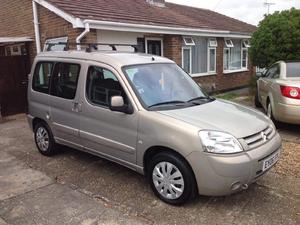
x=36 y=121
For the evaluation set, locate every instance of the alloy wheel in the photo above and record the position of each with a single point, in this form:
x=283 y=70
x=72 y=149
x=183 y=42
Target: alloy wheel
x=42 y=139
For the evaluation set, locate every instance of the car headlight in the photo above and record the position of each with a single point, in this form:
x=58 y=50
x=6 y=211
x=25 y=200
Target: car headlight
x=219 y=142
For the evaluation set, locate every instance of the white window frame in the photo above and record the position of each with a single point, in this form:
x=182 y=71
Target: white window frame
x=228 y=58
x=228 y=70
x=182 y=58
x=246 y=44
x=209 y=46
x=54 y=40
x=212 y=43
x=187 y=43
x=208 y=59
x=230 y=44
x=246 y=50
x=154 y=39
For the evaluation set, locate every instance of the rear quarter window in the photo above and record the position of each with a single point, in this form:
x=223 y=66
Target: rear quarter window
x=41 y=77
x=293 y=69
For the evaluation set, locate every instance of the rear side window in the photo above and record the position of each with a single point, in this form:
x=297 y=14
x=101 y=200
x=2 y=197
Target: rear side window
x=65 y=79
x=41 y=77
x=101 y=85
x=293 y=69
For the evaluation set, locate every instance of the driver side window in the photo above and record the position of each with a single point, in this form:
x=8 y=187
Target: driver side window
x=101 y=85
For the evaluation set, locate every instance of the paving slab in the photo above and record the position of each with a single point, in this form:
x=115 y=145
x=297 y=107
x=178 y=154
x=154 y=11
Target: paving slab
x=58 y=204
x=16 y=178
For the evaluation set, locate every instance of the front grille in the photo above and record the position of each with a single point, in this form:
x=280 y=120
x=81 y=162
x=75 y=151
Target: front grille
x=260 y=138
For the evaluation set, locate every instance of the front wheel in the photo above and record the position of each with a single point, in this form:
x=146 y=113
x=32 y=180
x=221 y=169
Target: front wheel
x=171 y=179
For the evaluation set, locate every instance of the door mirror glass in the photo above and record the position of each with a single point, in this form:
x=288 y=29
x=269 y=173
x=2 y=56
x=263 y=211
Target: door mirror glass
x=117 y=101
x=117 y=105
x=259 y=74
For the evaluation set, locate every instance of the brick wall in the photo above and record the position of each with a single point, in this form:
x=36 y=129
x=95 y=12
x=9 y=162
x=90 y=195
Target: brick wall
x=53 y=26
x=17 y=20
x=172 y=48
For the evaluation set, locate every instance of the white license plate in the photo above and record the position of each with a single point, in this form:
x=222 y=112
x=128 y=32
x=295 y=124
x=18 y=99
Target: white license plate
x=270 y=161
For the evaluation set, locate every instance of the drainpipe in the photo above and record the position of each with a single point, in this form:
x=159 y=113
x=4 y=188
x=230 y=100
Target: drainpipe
x=78 y=39
x=36 y=27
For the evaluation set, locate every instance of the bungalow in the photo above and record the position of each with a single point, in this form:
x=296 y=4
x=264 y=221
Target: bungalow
x=212 y=47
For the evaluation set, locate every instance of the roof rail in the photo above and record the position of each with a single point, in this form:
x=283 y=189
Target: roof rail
x=90 y=46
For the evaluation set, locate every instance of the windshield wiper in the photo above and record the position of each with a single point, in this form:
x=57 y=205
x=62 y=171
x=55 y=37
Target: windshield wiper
x=201 y=98
x=166 y=103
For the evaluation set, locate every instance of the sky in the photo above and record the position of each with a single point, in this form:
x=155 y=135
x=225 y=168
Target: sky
x=250 y=11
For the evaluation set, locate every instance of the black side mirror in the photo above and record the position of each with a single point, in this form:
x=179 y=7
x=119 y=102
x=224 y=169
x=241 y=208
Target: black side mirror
x=117 y=105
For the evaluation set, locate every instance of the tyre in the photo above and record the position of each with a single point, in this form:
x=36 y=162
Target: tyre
x=270 y=115
x=44 y=139
x=256 y=100
x=270 y=111
x=171 y=178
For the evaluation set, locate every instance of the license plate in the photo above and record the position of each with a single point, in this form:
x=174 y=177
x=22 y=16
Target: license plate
x=270 y=161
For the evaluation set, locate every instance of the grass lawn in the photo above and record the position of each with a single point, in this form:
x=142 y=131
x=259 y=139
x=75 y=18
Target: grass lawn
x=227 y=96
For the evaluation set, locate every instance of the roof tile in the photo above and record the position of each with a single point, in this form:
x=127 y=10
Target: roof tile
x=140 y=12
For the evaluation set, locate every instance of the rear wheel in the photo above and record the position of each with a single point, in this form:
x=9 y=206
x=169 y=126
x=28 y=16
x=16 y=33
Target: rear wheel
x=171 y=179
x=270 y=115
x=44 y=139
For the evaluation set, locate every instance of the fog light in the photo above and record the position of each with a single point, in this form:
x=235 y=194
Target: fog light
x=236 y=186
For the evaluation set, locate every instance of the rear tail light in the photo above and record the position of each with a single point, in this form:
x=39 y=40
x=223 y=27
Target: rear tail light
x=290 y=92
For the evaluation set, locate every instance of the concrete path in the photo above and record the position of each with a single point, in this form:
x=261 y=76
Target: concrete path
x=77 y=188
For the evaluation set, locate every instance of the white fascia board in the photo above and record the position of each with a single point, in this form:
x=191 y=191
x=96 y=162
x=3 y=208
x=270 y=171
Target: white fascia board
x=107 y=25
x=76 y=22
x=15 y=39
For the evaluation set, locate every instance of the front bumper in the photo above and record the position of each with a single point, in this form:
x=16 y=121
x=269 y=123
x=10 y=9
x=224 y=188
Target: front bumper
x=216 y=174
x=288 y=113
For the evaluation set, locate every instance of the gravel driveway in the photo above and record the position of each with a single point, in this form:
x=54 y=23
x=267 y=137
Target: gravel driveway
x=90 y=190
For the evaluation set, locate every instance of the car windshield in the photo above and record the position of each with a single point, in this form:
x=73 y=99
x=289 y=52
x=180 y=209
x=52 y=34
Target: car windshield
x=293 y=69
x=164 y=85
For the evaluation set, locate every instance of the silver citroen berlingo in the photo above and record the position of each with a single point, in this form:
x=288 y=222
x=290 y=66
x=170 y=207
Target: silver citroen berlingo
x=146 y=113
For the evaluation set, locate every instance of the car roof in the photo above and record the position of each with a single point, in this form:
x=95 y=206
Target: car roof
x=114 y=58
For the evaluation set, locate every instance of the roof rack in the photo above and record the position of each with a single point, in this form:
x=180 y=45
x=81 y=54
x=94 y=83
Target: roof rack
x=90 y=46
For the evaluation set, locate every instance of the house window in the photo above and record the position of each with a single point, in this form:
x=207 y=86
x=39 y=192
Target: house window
x=154 y=46
x=200 y=58
x=187 y=59
x=188 y=41
x=235 y=55
x=212 y=45
x=246 y=44
x=226 y=58
x=56 y=44
x=245 y=58
x=229 y=43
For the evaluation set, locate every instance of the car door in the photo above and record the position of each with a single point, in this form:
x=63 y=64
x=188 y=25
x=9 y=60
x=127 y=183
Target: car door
x=102 y=131
x=64 y=106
